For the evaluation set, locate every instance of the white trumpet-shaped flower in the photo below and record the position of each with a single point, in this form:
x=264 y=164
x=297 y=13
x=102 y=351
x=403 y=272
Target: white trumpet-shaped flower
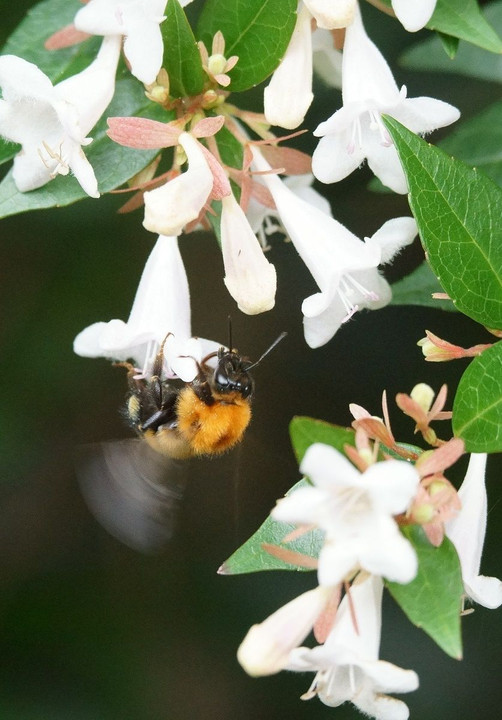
x=356 y=132
x=289 y=95
x=138 y=21
x=51 y=122
x=413 y=14
x=467 y=532
x=347 y=665
x=250 y=279
x=356 y=513
x=266 y=648
x=170 y=207
x=344 y=267
x=161 y=310
x=331 y=14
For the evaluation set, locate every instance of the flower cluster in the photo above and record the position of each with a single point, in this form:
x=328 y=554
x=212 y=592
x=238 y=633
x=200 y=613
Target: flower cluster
x=188 y=194
x=360 y=505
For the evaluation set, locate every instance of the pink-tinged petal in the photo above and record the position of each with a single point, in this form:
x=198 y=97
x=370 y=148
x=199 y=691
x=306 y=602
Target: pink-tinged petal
x=413 y=14
x=66 y=37
x=334 y=158
x=425 y=114
x=221 y=183
x=330 y=15
x=141 y=133
x=294 y=162
x=289 y=95
x=100 y=17
x=208 y=126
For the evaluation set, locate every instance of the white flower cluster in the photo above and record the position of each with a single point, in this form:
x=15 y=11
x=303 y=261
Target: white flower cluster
x=345 y=268
x=362 y=545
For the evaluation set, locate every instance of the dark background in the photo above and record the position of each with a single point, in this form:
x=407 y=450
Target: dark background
x=91 y=630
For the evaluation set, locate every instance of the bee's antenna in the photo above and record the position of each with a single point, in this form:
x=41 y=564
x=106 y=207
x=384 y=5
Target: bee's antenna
x=230 y=346
x=276 y=342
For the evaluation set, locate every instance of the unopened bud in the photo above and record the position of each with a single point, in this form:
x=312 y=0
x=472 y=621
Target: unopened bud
x=423 y=395
x=216 y=64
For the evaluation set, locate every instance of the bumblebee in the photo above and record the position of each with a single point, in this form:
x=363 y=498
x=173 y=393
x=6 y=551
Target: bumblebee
x=207 y=416
x=135 y=492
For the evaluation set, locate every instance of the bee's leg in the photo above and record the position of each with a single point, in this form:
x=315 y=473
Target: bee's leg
x=203 y=391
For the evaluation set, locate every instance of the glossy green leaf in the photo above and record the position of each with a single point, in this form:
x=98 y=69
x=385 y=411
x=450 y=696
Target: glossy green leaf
x=41 y=22
x=477 y=409
x=112 y=163
x=463 y=19
x=478 y=142
x=305 y=431
x=417 y=289
x=432 y=601
x=458 y=214
x=230 y=149
x=257 y=31
x=469 y=60
x=181 y=55
x=252 y=557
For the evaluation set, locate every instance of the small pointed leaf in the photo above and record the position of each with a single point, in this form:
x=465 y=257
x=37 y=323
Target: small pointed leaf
x=417 y=289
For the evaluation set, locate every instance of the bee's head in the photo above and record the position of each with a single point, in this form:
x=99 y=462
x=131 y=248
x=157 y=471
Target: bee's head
x=231 y=375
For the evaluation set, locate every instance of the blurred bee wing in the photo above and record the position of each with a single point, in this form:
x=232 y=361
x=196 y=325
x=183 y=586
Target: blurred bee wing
x=132 y=491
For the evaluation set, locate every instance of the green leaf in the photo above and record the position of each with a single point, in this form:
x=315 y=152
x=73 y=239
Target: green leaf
x=477 y=409
x=469 y=60
x=417 y=289
x=181 y=55
x=449 y=43
x=257 y=31
x=463 y=19
x=305 y=431
x=41 y=22
x=112 y=163
x=458 y=214
x=251 y=557
x=478 y=142
x=432 y=601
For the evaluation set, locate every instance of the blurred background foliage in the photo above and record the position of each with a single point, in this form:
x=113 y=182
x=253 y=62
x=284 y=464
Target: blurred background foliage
x=91 y=630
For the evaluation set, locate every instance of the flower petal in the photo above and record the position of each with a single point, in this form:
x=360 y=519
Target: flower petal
x=250 y=279
x=413 y=14
x=289 y=95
